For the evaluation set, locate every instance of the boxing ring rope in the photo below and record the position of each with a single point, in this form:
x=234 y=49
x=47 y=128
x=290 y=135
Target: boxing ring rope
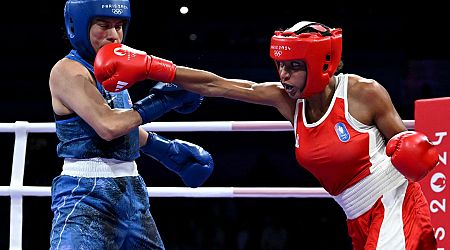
x=16 y=190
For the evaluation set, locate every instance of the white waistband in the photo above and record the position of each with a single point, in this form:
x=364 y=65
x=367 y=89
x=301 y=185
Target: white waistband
x=99 y=167
x=359 y=198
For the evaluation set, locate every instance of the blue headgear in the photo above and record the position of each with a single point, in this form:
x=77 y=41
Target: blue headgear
x=78 y=15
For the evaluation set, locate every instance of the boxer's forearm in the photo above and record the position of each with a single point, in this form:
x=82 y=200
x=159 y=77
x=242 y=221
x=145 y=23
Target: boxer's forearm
x=209 y=84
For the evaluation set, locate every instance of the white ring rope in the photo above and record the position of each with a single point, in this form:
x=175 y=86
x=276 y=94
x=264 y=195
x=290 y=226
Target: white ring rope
x=49 y=127
x=200 y=192
x=16 y=190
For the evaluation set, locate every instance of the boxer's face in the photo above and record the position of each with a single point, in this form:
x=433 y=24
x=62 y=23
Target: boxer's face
x=104 y=31
x=293 y=77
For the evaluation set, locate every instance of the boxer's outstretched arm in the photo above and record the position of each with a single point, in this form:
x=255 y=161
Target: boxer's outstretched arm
x=118 y=67
x=210 y=84
x=118 y=64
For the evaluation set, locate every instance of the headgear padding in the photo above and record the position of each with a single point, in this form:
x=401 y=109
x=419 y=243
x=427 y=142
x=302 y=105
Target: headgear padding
x=319 y=46
x=78 y=15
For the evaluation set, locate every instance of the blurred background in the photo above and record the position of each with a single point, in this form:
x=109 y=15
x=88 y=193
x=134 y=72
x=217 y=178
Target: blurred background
x=402 y=47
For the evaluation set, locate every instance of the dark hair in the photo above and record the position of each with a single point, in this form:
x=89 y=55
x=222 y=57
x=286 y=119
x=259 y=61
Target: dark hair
x=339 y=67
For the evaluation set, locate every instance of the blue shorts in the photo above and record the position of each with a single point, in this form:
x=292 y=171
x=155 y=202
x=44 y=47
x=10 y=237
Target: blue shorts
x=102 y=213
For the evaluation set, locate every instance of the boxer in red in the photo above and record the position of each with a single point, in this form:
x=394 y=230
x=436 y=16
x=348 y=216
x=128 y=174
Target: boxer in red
x=347 y=131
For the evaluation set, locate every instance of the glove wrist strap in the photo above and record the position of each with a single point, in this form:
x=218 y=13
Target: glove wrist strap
x=159 y=69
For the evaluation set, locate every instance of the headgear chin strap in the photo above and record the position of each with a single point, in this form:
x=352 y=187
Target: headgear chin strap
x=78 y=15
x=319 y=46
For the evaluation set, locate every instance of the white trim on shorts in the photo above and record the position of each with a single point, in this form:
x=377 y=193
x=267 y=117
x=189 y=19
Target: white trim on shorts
x=99 y=167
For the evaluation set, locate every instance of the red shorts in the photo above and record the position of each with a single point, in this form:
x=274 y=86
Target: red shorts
x=398 y=220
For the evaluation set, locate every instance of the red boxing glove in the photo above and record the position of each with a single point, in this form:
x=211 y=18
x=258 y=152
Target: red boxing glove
x=119 y=67
x=412 y=154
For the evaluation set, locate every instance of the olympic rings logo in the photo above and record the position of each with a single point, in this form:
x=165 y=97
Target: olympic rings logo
x=117 y=11
x=277 y=53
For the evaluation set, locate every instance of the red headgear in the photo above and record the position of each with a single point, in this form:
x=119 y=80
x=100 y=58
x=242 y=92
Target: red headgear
x=319 y=46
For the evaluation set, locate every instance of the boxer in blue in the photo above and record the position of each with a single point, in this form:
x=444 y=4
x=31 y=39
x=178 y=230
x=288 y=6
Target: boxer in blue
x=99 y=200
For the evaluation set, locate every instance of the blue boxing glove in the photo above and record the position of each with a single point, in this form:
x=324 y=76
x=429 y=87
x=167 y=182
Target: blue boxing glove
x=191 y=100
x=191 y=162
x=165 y=97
